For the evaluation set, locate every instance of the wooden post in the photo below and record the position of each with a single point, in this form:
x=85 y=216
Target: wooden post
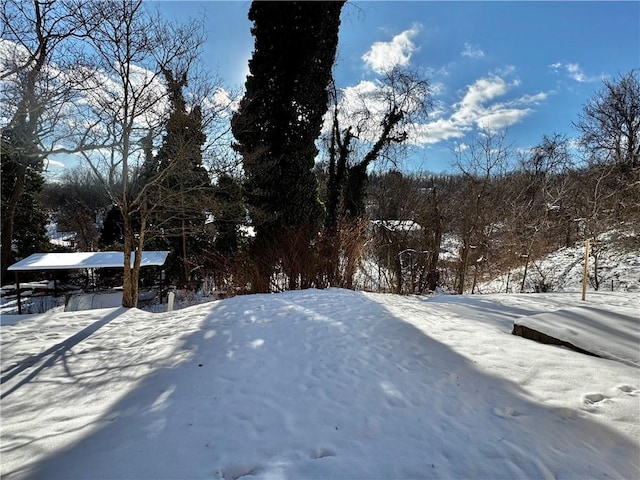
x=585 y=272
x=170 y=301
x=18 y=293
x=161 y=284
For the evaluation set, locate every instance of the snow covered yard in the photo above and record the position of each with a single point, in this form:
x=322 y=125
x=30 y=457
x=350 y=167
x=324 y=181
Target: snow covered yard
x=317 y=384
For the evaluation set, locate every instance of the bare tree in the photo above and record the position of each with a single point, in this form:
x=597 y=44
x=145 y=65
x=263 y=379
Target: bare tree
x=610 y=122
x=38 y=45
x=537 y=196
x=480 y=163
x=407 y=230
x=368 y=125
x=132 y=48
x=607 y=196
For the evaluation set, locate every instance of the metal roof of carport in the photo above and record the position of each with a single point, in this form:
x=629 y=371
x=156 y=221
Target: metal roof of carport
x=68 y=261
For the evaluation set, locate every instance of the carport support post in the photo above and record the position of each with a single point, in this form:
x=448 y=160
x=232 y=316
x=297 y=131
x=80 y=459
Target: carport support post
x=18 y=293
x=585 y=272
x=161 y=284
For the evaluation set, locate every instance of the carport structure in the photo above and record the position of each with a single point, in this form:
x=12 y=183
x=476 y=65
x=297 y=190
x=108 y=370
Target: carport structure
x=80 y=260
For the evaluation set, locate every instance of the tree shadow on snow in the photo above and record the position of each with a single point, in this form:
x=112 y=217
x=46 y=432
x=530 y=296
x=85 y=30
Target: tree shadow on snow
x=38 y=363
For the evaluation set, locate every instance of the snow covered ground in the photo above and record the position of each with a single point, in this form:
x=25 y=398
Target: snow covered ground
x=317 y=385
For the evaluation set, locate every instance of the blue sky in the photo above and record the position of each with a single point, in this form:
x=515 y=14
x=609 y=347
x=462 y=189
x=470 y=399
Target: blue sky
x=527 y=66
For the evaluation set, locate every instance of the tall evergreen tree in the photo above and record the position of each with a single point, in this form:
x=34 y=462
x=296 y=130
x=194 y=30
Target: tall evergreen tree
x=185 y=189
x=280 y=117
x=111 y=235
x=229 y=214
x=23 y=218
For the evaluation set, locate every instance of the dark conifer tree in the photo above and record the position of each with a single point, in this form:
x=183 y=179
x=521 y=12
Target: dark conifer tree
x=31 y=218
x=229 y=214
x=180 y=199
x=280 y=117
x=112 y=229
x=23 y=218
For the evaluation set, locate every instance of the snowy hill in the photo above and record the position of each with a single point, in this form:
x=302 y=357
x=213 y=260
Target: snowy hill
x=562 y=271
x=316 y=385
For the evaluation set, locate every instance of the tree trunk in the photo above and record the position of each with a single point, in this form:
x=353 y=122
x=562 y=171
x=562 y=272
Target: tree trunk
x=397 y=263
x=135 y=274
x=432 y=269
x=337 y=170
x=524 y=275
x=129 y=297
x=475 y=279
x=184 y=256
x=596 y=278
x=462 y=269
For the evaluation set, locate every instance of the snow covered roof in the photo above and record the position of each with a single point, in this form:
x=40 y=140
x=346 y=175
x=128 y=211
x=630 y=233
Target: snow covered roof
x=61 y=261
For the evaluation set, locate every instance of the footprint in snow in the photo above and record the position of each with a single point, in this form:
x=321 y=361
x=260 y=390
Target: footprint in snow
x=593 y=398
x=629 y=390
x=236 y=472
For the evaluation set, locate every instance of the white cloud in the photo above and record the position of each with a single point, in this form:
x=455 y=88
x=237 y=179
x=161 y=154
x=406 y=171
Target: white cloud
x=384 y=56
x=221 y=99
x=481 y=91
x=460 y=147
x=437 y=131
x=488 y=102
x=472 y=51
x=11 y=55
x=534 y=99
x=479 y=108
x=53 y=163
x=573 y=71
x=501 y=117
x=362 y=89
x=362 y=107
x=363 y=96
x=576 y=72
x=484 y=89
x=506 y=70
